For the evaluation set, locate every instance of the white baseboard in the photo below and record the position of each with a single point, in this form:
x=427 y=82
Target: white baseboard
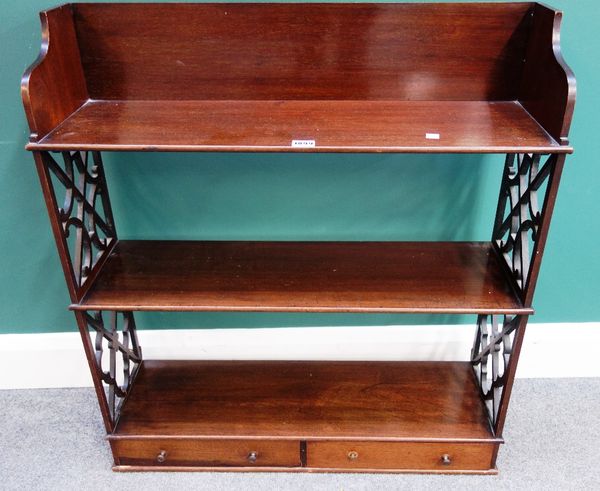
x=57 y=360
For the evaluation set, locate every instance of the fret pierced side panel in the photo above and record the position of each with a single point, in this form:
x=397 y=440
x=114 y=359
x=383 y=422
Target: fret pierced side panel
x=117 y=354
x=84 y=212
x=491 y=357
x=520 y=214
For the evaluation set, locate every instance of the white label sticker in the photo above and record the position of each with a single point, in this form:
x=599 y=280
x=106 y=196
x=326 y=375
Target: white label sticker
x=303 y=143
x=432 y=136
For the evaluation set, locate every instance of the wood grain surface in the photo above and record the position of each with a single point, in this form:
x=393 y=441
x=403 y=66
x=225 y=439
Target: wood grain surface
x=341 y=126
x=321 y=400
x=207 y=453
x=368 y=51
x=441 y=277
x=363 y=77
x=391 y=455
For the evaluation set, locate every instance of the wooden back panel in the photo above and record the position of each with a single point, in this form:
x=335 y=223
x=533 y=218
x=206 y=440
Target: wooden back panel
x=303 y=51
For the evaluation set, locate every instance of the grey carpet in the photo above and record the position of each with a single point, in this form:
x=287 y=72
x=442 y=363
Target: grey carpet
x=53 y=439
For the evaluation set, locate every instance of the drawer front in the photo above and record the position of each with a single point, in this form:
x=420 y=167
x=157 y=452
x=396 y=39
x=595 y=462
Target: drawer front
x=400 y=456
x=207 y=453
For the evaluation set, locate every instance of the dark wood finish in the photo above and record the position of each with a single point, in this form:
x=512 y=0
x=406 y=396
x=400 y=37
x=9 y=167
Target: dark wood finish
x=548 y=87
x=72 y=286
x=253 y=77
x=207 y=453
x=293 y=51
x=544 y=228
x=84 y=214
x=392 y=455
x=549 y=201
x=146 y=468
x=372 y=456
x=526 y=201
x=54 y=86
x=345 y=126
x=282 y=400
x=511 y=371
x=440 y=277
x=54 y=214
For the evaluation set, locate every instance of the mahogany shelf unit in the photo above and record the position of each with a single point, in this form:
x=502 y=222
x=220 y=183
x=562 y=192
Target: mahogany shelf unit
x=273 y=77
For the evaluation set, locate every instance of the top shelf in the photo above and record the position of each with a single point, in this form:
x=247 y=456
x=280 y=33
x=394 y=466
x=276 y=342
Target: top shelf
x=272 y=126
x=350 y=77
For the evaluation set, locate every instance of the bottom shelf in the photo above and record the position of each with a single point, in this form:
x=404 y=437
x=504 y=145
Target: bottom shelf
x=305 y=416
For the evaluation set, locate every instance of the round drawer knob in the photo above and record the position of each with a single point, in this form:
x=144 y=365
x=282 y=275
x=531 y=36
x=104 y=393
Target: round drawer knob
x=252 y=456
x=352 y=455
x=161 y=457
x=446 y=460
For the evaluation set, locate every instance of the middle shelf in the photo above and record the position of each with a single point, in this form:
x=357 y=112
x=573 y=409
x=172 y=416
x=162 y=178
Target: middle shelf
x=369 y=277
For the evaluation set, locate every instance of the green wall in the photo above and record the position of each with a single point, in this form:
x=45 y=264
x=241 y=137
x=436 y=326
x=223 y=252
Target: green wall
x=344 y=197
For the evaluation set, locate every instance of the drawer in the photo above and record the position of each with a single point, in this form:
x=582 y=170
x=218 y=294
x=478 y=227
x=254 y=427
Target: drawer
x=400 y=455
x=206 y=453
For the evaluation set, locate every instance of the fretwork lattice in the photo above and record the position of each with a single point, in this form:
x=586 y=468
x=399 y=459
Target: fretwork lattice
x=491 y=356
x=85 y=209
x=117 y=354
x=519 y=215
